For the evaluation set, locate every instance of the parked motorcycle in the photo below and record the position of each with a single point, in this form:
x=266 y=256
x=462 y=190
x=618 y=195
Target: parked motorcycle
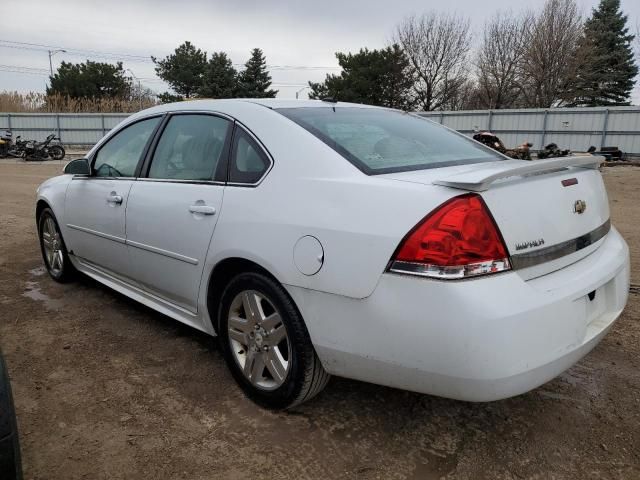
x=6 y=141
x=32 y=150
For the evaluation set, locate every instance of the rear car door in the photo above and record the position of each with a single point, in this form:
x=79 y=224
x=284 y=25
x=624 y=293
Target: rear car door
x=95 y=205
x=173 y=208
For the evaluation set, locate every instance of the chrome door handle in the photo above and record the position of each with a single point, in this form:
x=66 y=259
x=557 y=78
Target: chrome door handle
x=202 y=209
x=115 y=199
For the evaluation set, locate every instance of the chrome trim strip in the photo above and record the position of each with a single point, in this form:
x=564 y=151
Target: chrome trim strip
x=96 y=233
x=462 y=272
x=176 y=180
x=160 y=251
x=553 y=252
x=142 y=246
x=128 y=284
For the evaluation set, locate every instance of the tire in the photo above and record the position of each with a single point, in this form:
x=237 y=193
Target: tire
x=254 y=337
x=57 y=152
x=10 y=464
x=54 y=251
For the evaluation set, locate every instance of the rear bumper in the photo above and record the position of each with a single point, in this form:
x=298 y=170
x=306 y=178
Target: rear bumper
x=476 y=340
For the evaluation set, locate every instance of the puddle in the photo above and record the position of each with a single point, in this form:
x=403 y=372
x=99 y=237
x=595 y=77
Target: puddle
x=33 y=292
x=37 y=272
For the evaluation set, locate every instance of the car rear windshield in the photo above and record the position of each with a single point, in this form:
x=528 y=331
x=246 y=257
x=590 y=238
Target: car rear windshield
x=384 y=141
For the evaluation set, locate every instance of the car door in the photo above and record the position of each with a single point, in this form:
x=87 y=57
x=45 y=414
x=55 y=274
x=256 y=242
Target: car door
x=95 y=205
x=173 y=208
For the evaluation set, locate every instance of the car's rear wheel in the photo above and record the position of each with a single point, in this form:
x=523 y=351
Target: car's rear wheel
x=266 y=344
x=56 y=152
x=54 y=251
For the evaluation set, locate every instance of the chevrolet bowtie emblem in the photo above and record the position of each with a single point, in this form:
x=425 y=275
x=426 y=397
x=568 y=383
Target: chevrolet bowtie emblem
x=580 y=206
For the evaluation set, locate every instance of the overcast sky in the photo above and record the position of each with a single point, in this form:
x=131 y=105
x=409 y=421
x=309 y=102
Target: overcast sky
x=292 y=33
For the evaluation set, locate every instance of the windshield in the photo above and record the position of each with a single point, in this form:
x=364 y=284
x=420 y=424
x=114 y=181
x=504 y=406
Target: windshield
x=384 y=141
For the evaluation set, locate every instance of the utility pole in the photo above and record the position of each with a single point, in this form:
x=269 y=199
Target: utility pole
x=51 y=54
x=298 y=92
x=139 y=87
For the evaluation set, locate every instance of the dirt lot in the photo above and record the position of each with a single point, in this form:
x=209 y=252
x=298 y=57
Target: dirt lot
x=108 y=389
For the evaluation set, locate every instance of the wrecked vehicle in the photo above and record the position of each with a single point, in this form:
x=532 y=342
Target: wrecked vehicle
x=523 y=152
x=552 y=151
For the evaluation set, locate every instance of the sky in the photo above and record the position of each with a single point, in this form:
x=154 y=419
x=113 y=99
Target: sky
x=298 y=37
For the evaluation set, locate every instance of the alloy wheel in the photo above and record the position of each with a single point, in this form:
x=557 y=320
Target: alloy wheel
x=52 y=244
x=258 y=340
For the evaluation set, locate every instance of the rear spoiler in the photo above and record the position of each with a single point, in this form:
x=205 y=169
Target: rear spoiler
x=481 y=179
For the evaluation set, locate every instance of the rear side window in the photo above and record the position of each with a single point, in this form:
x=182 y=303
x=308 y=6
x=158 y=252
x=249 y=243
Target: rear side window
x=120 y=155
x=191 y=148
x=248 y=161
x=384 y=141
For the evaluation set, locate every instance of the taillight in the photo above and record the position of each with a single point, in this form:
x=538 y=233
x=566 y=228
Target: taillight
x=458 y=239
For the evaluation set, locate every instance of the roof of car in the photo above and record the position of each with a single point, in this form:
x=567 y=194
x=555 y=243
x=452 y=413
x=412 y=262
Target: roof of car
x=210 y=104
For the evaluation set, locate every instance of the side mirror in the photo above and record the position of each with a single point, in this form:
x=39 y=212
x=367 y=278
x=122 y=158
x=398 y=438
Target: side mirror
x=80 y=166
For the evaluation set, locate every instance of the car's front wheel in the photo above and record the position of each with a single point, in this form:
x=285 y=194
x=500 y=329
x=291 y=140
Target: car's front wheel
x=54 y=251
x=266 y=344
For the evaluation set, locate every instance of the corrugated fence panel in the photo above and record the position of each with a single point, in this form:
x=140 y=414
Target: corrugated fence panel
x=627 y=143
x=467 y=122
x=111 y=120
x=575 y=122
x=574 y=128
x=621 y=120
x=83 y=129
x=510 y=121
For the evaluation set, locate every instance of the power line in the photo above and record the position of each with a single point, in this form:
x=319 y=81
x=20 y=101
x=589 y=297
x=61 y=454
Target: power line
x=136 y=58
x=43 y=70
x=42 y=46
x=24 y=72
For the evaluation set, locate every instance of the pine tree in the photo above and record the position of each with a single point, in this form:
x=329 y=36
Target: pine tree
x=254 y=80
x=183 y=69
x=90 y=80
x=220 y=78
x=605 y=70
x=375 y=77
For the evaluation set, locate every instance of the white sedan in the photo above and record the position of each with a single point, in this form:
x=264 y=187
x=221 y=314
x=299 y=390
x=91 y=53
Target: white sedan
x=319 y=238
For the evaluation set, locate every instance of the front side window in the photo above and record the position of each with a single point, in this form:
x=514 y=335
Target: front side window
x=248 y=161
x=119 y=157
x=191 y=148
x=384 y=141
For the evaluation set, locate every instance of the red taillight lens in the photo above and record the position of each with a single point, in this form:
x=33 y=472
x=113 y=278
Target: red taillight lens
x=458 y=239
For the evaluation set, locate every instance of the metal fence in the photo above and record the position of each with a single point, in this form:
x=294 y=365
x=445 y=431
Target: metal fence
x=574 y=128
x=82 y=129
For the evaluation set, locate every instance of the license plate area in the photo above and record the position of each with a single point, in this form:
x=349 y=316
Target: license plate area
x=599 y=301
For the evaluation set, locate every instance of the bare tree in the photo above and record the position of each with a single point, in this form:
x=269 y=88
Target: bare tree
x=467 y=97
x=551 y=40
x=498 y=59
x=437 y=46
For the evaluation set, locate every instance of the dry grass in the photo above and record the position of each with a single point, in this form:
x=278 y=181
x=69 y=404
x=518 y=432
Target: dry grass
x=40 y=102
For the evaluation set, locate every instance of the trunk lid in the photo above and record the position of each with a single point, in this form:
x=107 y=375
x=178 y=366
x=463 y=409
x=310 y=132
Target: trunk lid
x=551 y=213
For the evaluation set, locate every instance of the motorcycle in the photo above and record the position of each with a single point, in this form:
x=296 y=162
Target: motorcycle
x=32 y=150
x=6 y=140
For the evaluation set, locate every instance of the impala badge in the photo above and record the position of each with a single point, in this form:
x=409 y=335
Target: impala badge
x=580 y=206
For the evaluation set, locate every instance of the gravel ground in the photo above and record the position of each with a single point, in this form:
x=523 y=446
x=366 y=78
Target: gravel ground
x=108 y=389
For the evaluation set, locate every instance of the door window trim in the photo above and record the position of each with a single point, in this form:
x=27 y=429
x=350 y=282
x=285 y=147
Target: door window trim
x=143 y=155
x=219 y=176
x=261 y=147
